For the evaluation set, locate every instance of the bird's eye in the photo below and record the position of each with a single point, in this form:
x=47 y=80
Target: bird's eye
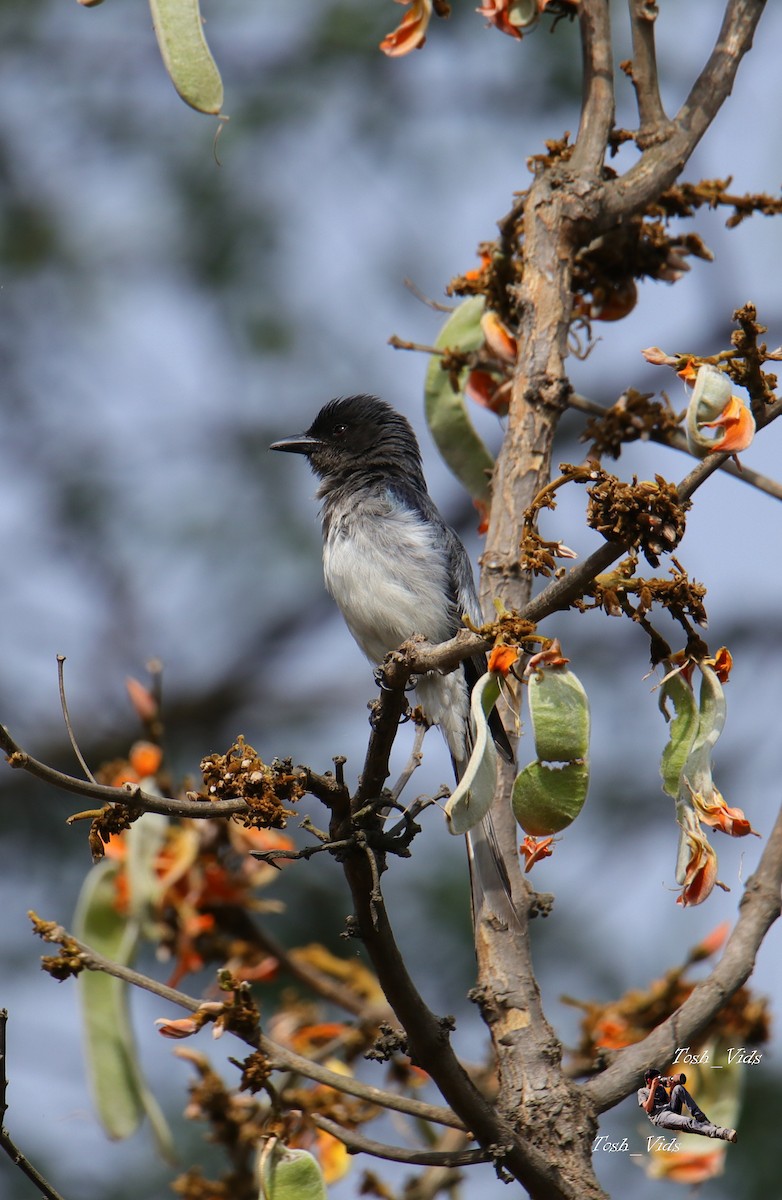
x=338 y=430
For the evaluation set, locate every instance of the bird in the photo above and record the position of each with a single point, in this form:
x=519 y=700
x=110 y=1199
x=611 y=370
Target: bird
x=395 y=569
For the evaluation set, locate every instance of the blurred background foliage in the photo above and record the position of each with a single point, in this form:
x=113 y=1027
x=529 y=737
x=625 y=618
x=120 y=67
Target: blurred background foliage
x=171 y=303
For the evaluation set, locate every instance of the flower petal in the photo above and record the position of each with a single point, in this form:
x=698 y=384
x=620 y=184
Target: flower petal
x=485 y=389
x=182 y=1028
x=533 y=850
x=499 y=339
x=502 y=658
x=738 y=424
x=410 y=34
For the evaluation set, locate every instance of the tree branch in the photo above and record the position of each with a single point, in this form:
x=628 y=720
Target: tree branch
x=331 y=990
x=356 y=1143
x=279 y=1056
x=6 y=1142
x=677 y=441
x=759 y=909
x=130 y=794
x=597 y=108
x=661 y=164
x=429 y=1044
x=652 y=117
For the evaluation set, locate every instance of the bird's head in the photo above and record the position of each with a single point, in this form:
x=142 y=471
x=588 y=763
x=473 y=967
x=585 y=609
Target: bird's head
x=357 y=435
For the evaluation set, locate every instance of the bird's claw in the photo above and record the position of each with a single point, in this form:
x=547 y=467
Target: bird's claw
x=379 y=676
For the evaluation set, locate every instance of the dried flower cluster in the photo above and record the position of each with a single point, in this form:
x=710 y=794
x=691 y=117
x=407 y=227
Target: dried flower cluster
x=267 y=789
x=648 y=514
x=634 y=416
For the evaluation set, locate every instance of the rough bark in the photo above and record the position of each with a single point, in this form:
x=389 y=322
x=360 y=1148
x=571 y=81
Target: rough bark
x=568 y=204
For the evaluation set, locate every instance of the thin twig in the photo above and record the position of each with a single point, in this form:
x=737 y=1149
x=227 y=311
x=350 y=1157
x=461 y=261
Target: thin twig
x=759 y=908
x=652 y=117
x=356 y=1143
x=412 y=763
x=677 y=441
x=398 y=343
x=280 y=1057
x=67 y=719
x=6 y=1142
x=427 y=300
x=560 y=593
x=334 y=991
x=661 y=164
x=129 y=793
x=597 y=108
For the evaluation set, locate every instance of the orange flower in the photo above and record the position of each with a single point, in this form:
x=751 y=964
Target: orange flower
x=117 y=847
x=613 y=1033
x=142 y=699
x=145 y=758
x=182 y=1028
x=716 y=813
x=410 y=34
x=688 y=1166
x=700 y=874
x=738 y=425
x=723 y=664
x=475 y=272
x=262 y=972
x=550 y=657
x=499 y=339
x=122 y=772
x=508 y=15
x=333 y=1156
x=502 y=659
x=485 y=389
x=483 y=514
x=533 y=850
x=689 y=372
x=311 y=1037
x=713 y=942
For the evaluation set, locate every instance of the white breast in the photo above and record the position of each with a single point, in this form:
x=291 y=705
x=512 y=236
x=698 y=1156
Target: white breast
x=390 y=580
x=387 y=577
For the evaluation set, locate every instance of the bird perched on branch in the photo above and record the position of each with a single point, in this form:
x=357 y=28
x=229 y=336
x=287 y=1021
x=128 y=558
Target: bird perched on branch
x=395 y=569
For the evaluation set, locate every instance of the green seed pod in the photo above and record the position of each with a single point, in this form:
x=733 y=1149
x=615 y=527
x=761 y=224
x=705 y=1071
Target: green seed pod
x=291 y=1175
x=546 y=799
x=180 y=35
x=559 y=709
x=683 y=730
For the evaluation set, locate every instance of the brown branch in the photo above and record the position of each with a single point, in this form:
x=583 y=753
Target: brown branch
x=652 y=117
x=660 y=164
x=6 y=1142
x=597 y=107
x=129 y=794
x=428 y=1184
x=356 y=1143
x=759 y=908
x=26 y=1167
x=428 y=1040
x=279 y=1056
x=763 y=483
x=133 y=796
x=560 y=593
x=322 y=984
x=416 y=656
x=429 y=1044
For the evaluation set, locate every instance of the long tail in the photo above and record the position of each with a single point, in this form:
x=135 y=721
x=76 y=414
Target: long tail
x=490 y=888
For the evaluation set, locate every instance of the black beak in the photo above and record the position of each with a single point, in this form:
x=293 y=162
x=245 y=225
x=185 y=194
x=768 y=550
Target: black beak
x=300 y=443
